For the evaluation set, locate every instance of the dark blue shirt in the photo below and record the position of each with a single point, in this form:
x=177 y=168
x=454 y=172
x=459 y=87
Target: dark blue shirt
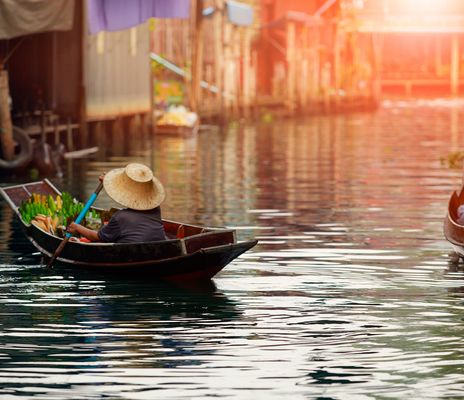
x=131 y=226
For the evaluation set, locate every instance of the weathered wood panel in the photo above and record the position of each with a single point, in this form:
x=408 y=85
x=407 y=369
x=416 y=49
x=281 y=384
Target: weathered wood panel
x=117 y=73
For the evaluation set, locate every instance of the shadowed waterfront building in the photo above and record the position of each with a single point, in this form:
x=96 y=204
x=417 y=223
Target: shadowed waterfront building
x=85 y=72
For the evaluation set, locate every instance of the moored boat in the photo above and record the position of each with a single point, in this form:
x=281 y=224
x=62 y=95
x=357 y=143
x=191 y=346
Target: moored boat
x=190 y=253
x=453 y=230
x=177 y=130
x=178 y=121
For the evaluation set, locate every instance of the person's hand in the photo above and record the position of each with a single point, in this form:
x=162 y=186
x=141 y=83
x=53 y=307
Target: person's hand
x=72 y=228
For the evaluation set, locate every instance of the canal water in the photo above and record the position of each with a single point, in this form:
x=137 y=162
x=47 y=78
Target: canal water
x=351 y=292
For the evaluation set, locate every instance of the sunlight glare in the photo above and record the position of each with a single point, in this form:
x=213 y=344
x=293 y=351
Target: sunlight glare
x=425 y=7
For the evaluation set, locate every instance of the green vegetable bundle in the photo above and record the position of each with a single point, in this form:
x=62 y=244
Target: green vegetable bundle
x=64 y=209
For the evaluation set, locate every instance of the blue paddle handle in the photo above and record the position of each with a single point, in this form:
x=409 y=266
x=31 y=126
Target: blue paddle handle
x=79 y=218
x=86 y=208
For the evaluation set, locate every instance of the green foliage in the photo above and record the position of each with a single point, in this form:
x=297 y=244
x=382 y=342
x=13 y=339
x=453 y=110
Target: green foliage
x=61 y=210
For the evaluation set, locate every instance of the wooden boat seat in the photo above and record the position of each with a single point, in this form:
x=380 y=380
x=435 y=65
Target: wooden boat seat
x=174 y=230
x=209 y=239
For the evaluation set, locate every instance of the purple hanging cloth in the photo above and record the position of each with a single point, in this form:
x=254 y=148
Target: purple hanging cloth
x=115 y=15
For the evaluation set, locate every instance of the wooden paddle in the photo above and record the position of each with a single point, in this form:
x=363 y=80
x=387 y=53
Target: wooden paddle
x=78 y=220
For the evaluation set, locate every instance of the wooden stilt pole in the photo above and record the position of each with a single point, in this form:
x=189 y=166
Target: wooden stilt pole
x=438 y=56
x=219 y=59
x=150 y=120
x=377 y=43
x=454 y=78
x=69 y=135
x=337 y=63
x=247 y=72
x=99 y=138
x=236 y=68
x=304 y=65
x=316 y=67
x=6 y=126
x=228 y=69
x=291 y=67
x=197 y=56
x=254 y=83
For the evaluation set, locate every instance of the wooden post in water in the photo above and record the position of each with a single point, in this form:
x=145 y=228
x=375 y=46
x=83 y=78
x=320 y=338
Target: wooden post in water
x=6 y=126
x=117 y=135
x=69 y=135
x=99 y=135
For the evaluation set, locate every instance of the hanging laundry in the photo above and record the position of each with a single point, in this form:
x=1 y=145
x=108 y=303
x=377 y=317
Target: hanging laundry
x=18 y=18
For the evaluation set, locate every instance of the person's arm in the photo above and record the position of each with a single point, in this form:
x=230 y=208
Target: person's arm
x=90 y=234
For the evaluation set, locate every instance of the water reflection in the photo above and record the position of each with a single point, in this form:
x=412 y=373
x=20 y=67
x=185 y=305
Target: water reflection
x=61 y=319
x=351 y=292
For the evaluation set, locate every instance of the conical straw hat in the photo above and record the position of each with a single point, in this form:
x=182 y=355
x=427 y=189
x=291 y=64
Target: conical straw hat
x=134 y=187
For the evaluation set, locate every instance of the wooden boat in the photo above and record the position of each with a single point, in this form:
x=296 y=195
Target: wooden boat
x=190 y=253
x=178 y=130
x=454 y=232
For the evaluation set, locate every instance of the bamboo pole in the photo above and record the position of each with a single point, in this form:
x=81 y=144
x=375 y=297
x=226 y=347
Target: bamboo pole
x=6 y=126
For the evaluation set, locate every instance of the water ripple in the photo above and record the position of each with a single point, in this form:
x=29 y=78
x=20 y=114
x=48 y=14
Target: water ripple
x=350 y=294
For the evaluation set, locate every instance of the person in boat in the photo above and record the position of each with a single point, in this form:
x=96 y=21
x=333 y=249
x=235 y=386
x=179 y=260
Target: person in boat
x=136 y=188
